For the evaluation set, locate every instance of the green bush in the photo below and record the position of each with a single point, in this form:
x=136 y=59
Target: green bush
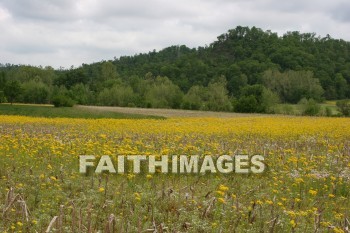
x=329 y=111
x=309 y=107
x=285 y=109
x=62 y=101
x=2 y=97
x=196 y=98
x=247 y=104
x=344 y=107
x=81 y=94
x=131 y=105
x=35 y=92
x=116 y=96
x=258 y=99
x=162 y=93
x=12 y=91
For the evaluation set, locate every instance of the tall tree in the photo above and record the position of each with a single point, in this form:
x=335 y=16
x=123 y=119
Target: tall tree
x=292 y=86
x=108 y=71
x=12 y=90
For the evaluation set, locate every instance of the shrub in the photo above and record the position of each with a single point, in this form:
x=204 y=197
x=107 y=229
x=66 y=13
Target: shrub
x=309 y=107
x=162 y=93
x=12 y=91
x=2 y=97
x=35 y=92
x=256 y=98
x=117 y=96
x=328 y=111
x=131 y=105
x=344 y=107
x=247 y=104
x=286 y=109
x=62 y=101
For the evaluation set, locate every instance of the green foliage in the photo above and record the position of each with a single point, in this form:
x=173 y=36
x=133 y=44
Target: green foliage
x=341 y=86
x=35 y=92
x=269 y=100
x=218 y=96
x=162 y=93
x=12 y=90
x=328 y=111
x=247 y=104
x=3 y=80
x=256 y=98
x=344 y=106
x=214 y=97
x=108 y=71
x=62 y=101
x=2 y=97
x=195 y=98
x=286 y=109
x=116 y=96
x=81 y=94
x=309 y=107
x=292 y=86
x=69 y=78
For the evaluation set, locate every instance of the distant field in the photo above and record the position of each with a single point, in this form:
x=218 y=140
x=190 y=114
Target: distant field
x=167 y=112
x=281 y=109
x=65 y=112
x=95 y=112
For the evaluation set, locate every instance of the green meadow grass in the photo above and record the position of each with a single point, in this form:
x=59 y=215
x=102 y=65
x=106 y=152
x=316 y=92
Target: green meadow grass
x=64 y=112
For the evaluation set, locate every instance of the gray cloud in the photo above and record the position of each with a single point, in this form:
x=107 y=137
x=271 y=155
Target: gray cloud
x=65 y=32
x=41 y=9
x=341 y=12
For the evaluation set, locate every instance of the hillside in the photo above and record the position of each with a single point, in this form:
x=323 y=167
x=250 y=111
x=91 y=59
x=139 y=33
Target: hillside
x=243 y=67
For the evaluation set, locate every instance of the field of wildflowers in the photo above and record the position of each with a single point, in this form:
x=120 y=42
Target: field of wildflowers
x=305 y=188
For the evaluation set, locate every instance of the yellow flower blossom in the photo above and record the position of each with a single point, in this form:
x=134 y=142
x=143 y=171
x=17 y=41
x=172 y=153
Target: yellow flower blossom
x=293 y=223
x=223 y=188
x=313 y=192
x=221 y=200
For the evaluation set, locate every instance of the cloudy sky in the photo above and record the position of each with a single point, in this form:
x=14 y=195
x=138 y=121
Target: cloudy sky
x=72 y=32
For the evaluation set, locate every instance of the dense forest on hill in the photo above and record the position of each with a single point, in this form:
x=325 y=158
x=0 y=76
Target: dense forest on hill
x=244 y=70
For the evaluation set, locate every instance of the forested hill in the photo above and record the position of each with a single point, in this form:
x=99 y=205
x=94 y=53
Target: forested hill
x=241 y=65
x=249 y=52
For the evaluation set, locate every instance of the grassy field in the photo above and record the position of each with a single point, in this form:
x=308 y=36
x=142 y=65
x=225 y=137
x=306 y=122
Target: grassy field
x=65 y=112
x=169 y=113
x=95 y=112
x=296 y=109
x=280 y=109
x=306 y=187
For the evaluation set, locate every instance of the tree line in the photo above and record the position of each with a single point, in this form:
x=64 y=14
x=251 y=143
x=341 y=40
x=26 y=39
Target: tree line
x=244 y=70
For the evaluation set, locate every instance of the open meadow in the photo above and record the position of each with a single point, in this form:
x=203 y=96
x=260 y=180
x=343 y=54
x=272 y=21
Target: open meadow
x=305 y=187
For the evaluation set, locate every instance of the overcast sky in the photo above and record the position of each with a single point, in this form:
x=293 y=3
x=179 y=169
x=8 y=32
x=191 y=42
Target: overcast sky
x=72 y=32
